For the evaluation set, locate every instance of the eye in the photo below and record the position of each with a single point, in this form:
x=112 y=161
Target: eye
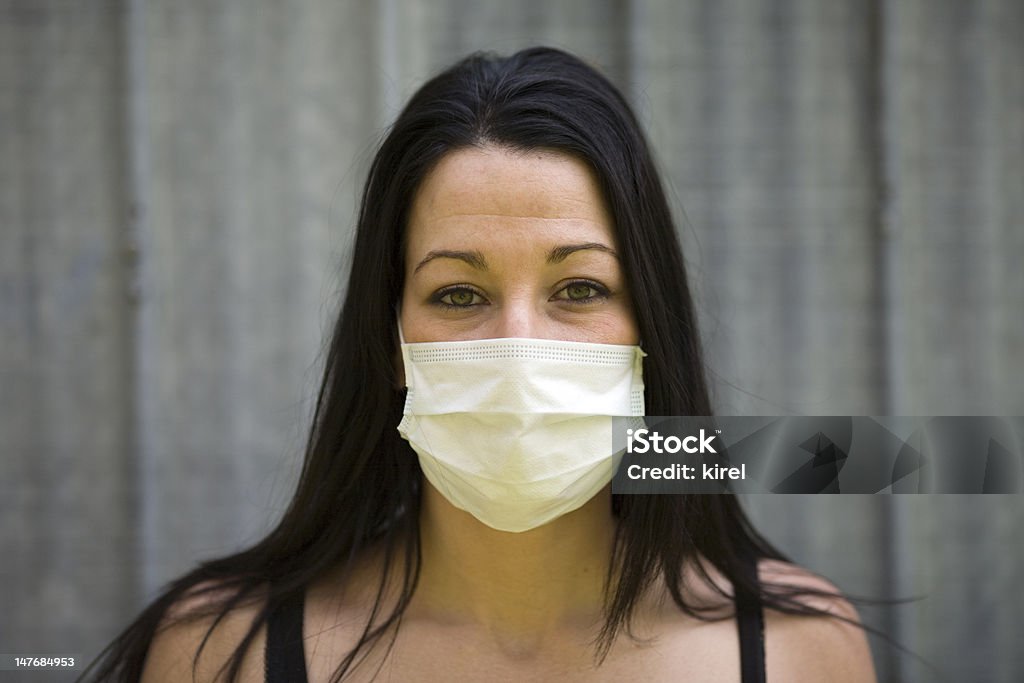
x=582 y=292
x=579 y=291
x=458 y=297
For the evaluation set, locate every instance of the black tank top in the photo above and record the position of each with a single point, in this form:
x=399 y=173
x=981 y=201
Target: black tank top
x=286 y=660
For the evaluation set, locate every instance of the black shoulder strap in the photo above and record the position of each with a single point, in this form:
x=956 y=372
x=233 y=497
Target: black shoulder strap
x=284 y=658
x=750 y=622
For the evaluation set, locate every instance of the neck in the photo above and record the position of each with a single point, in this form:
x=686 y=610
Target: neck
x=517 y=586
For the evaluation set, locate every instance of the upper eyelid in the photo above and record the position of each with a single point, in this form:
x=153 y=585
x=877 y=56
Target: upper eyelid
x=575 y=281
x=604 y=289
x=447 y=289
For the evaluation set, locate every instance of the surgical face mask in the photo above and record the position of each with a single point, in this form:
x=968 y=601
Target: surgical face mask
x=518 y=432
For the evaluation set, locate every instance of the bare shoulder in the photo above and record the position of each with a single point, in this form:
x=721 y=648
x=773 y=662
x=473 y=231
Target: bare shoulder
x=180 y=635
x=800 y=648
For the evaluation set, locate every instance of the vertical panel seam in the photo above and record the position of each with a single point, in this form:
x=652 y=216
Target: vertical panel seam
x=883 y=63
x=137 y=247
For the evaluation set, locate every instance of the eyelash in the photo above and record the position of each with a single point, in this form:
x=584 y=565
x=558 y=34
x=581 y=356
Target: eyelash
x=602 y=293
x=444 y=305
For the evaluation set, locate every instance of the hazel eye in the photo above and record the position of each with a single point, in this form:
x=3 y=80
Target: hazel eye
x=579 y=291
x=462 y=297
x=582 y=292
x=459 y=297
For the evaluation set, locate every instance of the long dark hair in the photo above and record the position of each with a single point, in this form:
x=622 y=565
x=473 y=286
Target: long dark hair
x=361 y=483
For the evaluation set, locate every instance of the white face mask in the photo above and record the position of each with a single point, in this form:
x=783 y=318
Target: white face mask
x=518 y=432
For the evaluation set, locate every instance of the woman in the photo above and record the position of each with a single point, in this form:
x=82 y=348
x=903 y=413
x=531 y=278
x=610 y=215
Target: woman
x=514 y=253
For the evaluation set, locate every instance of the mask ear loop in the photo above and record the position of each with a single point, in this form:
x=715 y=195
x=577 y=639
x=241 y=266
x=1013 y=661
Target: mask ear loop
x=400 y=365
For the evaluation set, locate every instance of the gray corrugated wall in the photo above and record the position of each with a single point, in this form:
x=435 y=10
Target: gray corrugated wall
x=177 y=191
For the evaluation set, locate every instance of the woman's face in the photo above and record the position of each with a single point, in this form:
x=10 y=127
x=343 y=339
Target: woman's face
x=513 y=244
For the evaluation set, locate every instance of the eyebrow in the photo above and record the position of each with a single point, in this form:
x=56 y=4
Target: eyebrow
x=477 y=260
x=473 y=258
x=559 y=254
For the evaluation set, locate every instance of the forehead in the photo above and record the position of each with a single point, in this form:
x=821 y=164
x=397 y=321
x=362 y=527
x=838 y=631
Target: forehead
x=542 y=190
